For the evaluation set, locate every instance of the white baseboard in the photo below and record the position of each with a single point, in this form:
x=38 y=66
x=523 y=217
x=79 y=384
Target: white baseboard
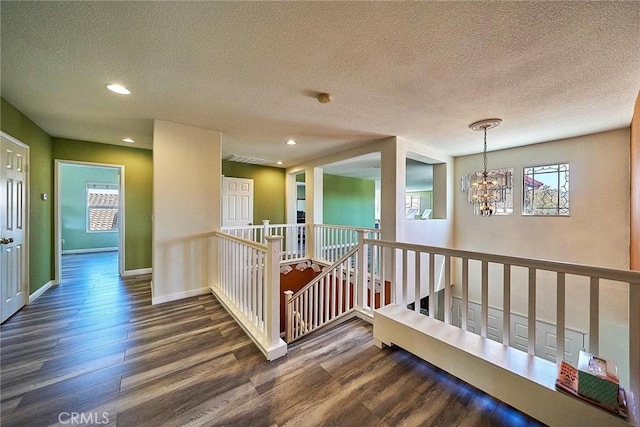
x=34 y=296
x=88 y=251
x=137 y=272
x=179 y=295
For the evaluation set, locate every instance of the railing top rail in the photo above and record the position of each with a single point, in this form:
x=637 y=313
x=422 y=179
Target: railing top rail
x=629 y=276
x=326 y=272
x=250 y=243
x=347 y=227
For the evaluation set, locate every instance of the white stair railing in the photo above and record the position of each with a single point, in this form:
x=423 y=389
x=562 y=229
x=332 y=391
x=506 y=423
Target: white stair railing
x=247 y=284
x=410 y=273
x=294 y=237
x=332 y=241
x=373 y=273
x=326 y=299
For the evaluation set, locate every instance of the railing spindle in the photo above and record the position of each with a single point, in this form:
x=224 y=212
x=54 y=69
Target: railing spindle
x=531 y=320
x=432 y=278
x=447 y=289
x=340 y=285
x=506 y=304
x=288 y=316
x=416 y=294
x=405 y=278
x=484 y=318
x=594 y=315
x=465 y=293
x=560 y=319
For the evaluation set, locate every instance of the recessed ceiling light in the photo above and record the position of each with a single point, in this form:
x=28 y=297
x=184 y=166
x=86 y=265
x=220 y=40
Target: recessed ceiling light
x=291 y=142
x=118 y=89
x=278 y=162
x=129 y=140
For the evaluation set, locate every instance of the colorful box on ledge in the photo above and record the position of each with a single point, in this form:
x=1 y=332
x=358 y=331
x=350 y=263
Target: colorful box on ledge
x=598 y=379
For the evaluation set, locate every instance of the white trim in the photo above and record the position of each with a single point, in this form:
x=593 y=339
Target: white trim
x=57 y=212
x=27 y=213
x=34 y=296
x=137 y=272
x=271 y=353
x=88 y=250
x=179 y=296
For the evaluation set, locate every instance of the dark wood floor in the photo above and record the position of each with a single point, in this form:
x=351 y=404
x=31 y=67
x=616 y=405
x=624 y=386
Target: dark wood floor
x=95 y=348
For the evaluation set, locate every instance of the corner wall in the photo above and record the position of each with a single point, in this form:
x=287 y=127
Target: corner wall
x=634 y=247
x=187 y=170
x=16 y=124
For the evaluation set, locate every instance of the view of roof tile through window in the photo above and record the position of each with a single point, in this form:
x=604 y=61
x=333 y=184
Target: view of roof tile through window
x=103 y=211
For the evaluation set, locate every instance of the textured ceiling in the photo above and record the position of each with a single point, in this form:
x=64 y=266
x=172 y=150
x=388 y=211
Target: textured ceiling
x=251 y=70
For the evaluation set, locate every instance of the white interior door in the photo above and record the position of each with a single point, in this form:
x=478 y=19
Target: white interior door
x=13 y=223
x=237 y=201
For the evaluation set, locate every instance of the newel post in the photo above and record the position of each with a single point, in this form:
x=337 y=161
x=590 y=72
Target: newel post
x=288 y=316
x=272 y=290
x=361 y=275
x=265 y=230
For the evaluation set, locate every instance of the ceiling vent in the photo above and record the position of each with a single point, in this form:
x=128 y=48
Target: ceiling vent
x=250 y=160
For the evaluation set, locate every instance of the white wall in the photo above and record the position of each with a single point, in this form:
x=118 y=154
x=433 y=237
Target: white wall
x=186 y=205
x=433 y=232
x=595 y=233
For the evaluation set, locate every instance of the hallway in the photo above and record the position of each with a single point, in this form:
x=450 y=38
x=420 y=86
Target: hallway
x=95 y=348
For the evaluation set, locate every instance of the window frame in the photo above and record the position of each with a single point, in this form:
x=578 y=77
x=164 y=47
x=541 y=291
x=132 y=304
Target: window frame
x=558 y=172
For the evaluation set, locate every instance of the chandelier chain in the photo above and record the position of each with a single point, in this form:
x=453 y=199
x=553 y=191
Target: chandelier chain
x=485 y=150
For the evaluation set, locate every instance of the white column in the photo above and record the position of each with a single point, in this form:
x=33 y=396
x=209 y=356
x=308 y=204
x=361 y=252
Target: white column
x=187 y=170
x=314 y=197
x=392 y=195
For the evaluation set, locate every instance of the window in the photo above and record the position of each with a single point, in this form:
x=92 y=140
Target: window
x=418 y=205
x=102 y=207
x=546 y=190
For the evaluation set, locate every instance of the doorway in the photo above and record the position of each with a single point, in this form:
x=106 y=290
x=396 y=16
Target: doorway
x=89 y=209
x=14 y=224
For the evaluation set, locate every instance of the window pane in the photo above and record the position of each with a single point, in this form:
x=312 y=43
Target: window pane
x=546 y=190
x=102 y=204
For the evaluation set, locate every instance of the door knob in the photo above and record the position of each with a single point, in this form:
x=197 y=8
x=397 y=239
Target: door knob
x=5 y=241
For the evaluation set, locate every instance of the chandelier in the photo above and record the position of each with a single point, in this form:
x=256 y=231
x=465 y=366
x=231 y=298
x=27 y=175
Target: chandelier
x=485 y=189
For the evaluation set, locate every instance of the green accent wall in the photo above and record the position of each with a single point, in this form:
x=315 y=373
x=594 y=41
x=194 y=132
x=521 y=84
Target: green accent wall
x=268 y=189
x=73 y=204
x=19 y=126
x=138 y=179
x=348 y=201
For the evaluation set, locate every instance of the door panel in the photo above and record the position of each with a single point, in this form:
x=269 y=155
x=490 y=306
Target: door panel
x=12 y=228
x=237 y=201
